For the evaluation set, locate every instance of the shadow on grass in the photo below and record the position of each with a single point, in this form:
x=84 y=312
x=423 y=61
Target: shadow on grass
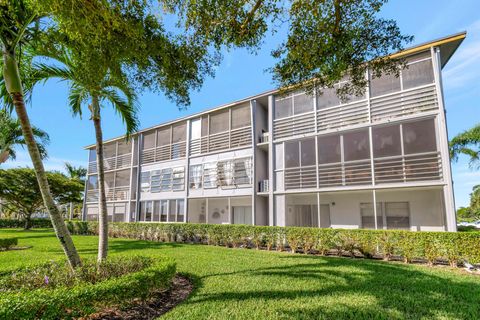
x=393 y=291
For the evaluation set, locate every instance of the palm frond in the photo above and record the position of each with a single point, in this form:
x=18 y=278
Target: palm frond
x=126 y=106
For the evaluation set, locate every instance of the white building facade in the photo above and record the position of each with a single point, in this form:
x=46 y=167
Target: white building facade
x=296 y=159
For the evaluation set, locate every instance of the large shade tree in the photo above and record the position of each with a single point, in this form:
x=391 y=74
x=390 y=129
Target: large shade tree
x=20 y=193
x=11 y=137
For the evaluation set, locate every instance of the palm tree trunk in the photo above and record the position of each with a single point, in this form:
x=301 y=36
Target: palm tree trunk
x=4 y=155
x=71 y=211
x=14 y=86
x=102 y=200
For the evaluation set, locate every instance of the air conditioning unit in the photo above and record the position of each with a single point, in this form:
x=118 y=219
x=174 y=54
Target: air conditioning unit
x=263 y=186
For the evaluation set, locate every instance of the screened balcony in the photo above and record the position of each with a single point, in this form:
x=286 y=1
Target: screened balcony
x=225 y=210
x=117 y=155
x=389 y=97
x=402 y=153
x=117 y=186
x=222 y=130
x=166 y=143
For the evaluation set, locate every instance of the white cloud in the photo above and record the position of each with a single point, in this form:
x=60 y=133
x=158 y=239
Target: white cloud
x=51 y=163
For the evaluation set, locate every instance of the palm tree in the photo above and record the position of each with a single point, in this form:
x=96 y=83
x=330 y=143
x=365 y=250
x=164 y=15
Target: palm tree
x=75 y=173
x=11 y=136
x=19 y=26
x=467 y=143
x=107 y=89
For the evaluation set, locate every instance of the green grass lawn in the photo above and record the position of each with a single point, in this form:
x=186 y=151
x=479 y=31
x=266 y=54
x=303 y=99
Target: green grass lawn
x=251 y=284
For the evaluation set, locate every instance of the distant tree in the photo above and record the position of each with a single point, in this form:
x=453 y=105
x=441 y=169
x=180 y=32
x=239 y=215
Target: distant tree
x=11 y=137
x=467 y=143
x=75 y=173
x=20 y=193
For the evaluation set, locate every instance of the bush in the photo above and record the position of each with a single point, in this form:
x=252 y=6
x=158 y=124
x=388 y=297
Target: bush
x=7 y=243
x=35 y=223
x=430 y=247
x=40 y=293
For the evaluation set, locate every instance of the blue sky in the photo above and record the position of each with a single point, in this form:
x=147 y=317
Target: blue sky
x=242 y=74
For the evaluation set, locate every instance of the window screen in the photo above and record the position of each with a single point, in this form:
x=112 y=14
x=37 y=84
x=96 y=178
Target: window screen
x=156 y=211
x=419 y=136
x=356 y=145
x=180 y=210
x=292 y=156
x=163 y=210
x=302 y=103
x=368 y=215
x=179 y=132
x=204 y=126
x=109 y=180
x=122 y=178
x=163 y=136
x=327 y=98
x=196 y=173
x=397 y=215
x=417 y=74
x=148 y=140
x=196 y=128
x=109 y=150
x=385 y=84
x=172 y=210
x=124 y=147
x=283 y=107
x=92 y=155
x=329 y=149
x=386 y=141
x=241 y=116
x=92 y=183
x=308 y=152
x=219 y=122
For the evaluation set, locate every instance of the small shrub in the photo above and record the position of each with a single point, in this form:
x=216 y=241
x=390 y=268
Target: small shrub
x=8 y=243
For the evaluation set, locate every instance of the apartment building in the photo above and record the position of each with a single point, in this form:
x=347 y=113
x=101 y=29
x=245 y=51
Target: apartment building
x=377 y=161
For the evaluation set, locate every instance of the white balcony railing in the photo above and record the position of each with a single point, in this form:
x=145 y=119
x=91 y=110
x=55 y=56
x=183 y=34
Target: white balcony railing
x=112 y=194
x=300 y=177
x=113 y=163
x=221 y=141
x=342 y=116
x=295 y=125
x=425 y=166
x=404 y=103
x=163 y=153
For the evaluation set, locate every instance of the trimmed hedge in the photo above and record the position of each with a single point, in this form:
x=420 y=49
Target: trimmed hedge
x=7 y=243
x=429 y=247
x=35 y=223
x=86 y=298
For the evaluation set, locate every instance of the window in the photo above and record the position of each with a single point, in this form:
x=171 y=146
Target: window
x=386 y=141
x=327 y=98
x=219 y=122
x=163 y=210
x=166 y=180
x=179 y=132
x=156 y=211
x=241 y=116
x=149 y=140
x=225 y=173
x=243 y=171
x=180 y=210
x=163 y=136
x=109 y=150
x=368 y=216
x=417 y=74
x=145 y=181
x=397 y=215
x=205 y=126
x=292 y=156
x=92 y=183
x=172 y=210
x=308 y=152
x=356 y=145
x=210 y=175
x=155 y=180
x=178 y=179
x=92 y=155
x=283 y=107
x=387 y=83
x=124 y=147
x=329 y=150
x=419 y=136
x=196 y=176
x=302 y=103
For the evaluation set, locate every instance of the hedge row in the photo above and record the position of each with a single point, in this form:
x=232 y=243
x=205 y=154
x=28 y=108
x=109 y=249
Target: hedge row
x=429 y=247
x=7 y=243
x=86 y=298
x=15 y=223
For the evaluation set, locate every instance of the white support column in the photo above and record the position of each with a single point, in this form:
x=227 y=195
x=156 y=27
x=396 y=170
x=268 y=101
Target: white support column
x=187 y=170
x=318 y=209
x=206 y=210
x=139 y=175
x=374 y=194
x=451 y=219
x=229 y=211
x=253 y=111
x=271 y=163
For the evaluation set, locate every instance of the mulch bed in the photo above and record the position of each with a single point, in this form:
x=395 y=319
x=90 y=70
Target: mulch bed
x=158 y=304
